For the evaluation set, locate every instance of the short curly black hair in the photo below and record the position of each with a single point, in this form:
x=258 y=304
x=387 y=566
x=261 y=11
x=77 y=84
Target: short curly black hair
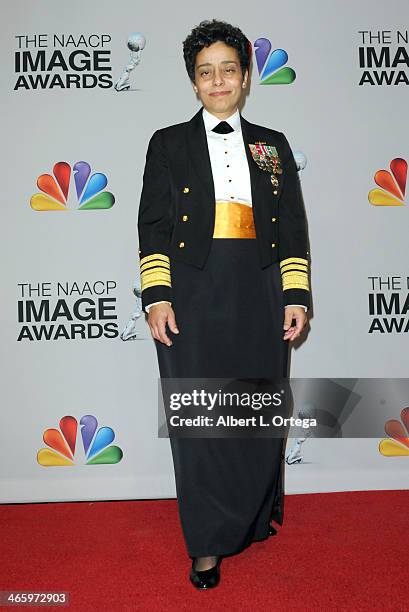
x=209 y=32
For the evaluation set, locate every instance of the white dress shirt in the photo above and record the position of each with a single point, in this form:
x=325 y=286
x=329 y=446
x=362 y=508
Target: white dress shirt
x=229 y=164
x=230 y=169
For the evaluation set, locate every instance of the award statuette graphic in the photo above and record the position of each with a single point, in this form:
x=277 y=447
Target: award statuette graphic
x=130 y=331
x=300 y=161
x=136 y=43
x=294 y=455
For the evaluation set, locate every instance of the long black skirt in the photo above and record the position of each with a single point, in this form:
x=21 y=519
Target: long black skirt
x=230 y=319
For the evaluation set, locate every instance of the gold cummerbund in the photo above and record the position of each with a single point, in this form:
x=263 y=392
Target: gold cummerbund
x=233 y=220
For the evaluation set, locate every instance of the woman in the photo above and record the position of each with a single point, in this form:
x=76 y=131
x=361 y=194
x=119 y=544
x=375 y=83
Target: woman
x=224 y=265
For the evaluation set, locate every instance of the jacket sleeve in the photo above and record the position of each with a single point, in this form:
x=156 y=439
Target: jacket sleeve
x=155 y=226
x=293 y=240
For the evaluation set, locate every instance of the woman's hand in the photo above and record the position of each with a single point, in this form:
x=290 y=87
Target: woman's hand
x=158 y=316
x=294 y=312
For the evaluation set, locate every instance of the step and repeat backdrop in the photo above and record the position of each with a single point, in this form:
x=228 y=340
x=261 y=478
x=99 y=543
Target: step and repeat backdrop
x=84 y=86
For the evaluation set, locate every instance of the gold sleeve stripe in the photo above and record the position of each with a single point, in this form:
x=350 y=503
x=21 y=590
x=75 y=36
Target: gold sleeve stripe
x=156 y=279
x=291 y=272
x=296 y=286
x=295 y=279
x=295 y=260
x=294 y=273
x=154 y=256
x=290 y=267
x=156 y=270
x=153 y=264
x=154 y=283
x=295 y=276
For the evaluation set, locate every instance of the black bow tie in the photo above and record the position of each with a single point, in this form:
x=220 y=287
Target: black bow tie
x=223 y=128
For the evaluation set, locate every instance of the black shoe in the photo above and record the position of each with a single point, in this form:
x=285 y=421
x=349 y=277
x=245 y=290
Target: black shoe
x=272 y=531
x=205 y=579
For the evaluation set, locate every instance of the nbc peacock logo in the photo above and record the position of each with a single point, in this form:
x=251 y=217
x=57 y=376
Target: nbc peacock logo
x=63 y=449
x=89 y=189
x=393 y=184
x=397 y=445
x=271 y=64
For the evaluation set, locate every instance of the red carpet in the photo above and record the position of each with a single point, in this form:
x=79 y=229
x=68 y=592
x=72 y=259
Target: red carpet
x=336 y=551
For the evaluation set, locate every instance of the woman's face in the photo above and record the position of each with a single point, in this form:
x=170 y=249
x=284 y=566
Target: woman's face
x=219 y=80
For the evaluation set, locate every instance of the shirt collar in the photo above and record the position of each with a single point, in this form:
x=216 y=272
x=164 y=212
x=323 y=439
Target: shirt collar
x=210 y=121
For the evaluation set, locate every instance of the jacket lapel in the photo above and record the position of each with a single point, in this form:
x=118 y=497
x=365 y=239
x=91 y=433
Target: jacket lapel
x=257 y=176
x=199 y=154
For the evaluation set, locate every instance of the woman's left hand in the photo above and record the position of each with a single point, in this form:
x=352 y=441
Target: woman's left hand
x=294 y=312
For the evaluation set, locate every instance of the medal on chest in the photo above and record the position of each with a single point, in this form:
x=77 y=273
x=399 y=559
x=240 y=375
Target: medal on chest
x=267 y=159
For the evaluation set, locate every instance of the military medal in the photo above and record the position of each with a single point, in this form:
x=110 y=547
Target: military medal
x=266 y=158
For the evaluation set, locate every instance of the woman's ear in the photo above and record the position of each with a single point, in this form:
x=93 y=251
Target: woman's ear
x=194 y=87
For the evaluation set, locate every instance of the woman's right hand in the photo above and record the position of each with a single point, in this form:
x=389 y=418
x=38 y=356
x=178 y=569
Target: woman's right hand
x=158 y=316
